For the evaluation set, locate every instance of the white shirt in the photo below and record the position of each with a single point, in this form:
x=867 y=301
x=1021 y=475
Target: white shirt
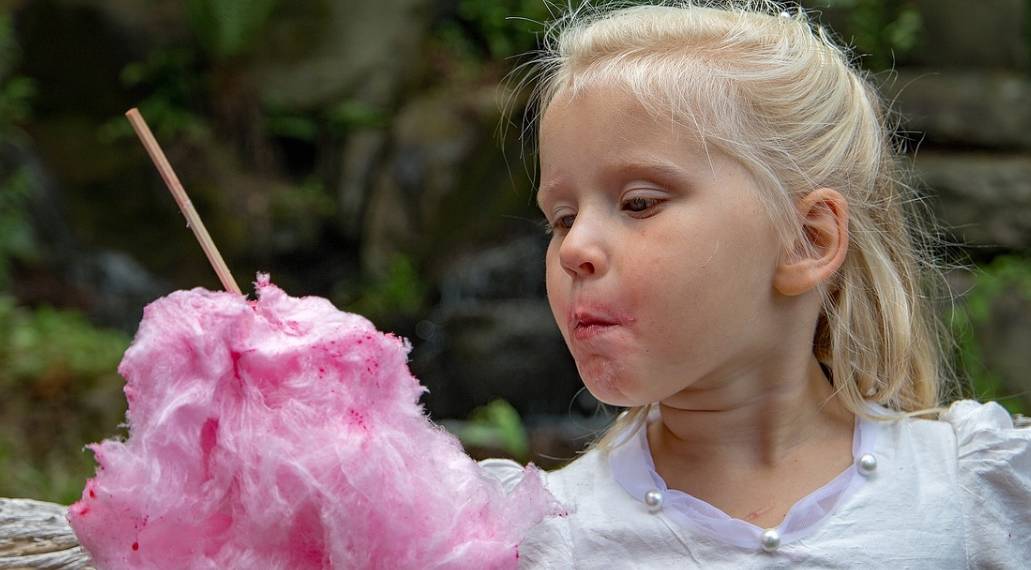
x=954 y=493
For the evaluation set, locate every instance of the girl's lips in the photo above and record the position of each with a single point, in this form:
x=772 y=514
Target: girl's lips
x=596 y=314
x=585 y=331
x=588 y=320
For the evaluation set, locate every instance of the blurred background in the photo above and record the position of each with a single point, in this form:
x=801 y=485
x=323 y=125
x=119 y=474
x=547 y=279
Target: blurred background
x=355 y=150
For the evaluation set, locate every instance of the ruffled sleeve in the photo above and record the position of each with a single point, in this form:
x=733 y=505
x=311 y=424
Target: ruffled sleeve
x=549 y=544
x=507 y=471
x=994 y=476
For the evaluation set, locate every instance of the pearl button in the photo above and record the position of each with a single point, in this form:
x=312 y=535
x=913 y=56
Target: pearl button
x=867 y=464
x=653 y=499
x=770 y=540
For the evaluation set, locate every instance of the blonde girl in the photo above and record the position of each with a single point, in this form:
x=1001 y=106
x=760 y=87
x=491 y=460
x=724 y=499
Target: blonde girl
x=737 y=258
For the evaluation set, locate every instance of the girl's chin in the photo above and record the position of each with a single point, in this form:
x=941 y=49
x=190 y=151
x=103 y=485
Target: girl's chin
x=610 y=388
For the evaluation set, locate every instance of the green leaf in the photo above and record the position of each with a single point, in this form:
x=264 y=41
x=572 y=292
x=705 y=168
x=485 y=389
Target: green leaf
x=1004 y=274
x=496 y=424
x=229 y=28
x=292 y=126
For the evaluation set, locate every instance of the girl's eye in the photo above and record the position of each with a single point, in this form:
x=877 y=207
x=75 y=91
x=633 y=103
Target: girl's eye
x=639 y=204
x=633 y=205
x=560 y=225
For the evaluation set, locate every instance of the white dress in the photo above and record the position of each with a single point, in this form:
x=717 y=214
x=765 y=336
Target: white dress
x=954 y=493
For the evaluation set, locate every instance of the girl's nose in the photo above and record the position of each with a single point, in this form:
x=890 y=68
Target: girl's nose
x=581 y=252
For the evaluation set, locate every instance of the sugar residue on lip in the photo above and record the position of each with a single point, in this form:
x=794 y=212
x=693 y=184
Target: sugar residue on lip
x=283 y=433
x=593 y=331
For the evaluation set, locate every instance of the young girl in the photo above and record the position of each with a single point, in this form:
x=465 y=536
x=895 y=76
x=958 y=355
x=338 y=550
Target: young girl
x=731 y=260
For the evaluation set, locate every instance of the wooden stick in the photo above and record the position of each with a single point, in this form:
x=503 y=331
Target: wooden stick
x=185 y=205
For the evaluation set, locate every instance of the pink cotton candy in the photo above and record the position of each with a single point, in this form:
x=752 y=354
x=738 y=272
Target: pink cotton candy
x=283 y=433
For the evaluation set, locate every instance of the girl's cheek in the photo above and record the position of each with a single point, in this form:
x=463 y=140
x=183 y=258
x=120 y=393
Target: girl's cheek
x=557 y=302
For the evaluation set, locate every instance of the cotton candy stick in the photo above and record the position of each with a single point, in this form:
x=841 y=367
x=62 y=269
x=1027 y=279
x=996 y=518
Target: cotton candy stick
x=185 y=205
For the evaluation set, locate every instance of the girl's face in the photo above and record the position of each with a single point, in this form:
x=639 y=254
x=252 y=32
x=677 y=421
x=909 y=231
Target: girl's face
x=664 y=243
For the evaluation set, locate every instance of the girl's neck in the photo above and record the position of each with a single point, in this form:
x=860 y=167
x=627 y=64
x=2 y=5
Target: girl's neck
x=753 y=423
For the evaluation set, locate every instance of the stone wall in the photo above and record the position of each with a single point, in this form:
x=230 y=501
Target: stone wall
x=405 y=153
x=965 y=94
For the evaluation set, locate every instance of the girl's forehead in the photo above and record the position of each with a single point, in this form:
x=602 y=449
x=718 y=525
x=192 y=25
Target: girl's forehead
x=612 y=102
x=611 y=114
x=610 y=133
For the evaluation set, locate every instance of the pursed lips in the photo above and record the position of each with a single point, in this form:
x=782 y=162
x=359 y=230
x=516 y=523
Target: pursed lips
x=594 y=318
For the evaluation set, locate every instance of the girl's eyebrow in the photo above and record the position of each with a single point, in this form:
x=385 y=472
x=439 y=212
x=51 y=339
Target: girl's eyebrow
x=542 y=189
x=660 y=170
x=651 y=168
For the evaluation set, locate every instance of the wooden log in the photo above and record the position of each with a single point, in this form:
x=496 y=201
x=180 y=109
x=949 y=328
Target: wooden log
x=35 y=534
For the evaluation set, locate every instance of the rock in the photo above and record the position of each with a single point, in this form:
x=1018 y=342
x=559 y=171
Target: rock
x=960 y=33
x=161 y=21
x=364 y=50
x=985 y=108
x=437 y=141
x=493 y=335
x=360 y=159
x=514 y=270
x=984 y=199
x=474 y=352
x=116 y=287
x=109 y=286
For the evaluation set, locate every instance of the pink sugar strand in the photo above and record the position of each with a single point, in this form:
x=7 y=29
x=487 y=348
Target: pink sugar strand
x=185 y=205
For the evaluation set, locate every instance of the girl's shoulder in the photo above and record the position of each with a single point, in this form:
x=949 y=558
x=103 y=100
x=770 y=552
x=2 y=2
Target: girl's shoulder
x=980 y=446
x=980 y=439
x=993 y=469
x=970 y=434
x=577 y=486
x=987 y=429
x=993 y=448
x=577 y=473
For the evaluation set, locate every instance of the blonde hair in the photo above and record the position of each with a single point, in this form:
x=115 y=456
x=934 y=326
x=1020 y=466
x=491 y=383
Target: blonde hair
x=773 y=90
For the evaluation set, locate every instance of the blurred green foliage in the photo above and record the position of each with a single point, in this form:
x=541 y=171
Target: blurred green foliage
x=339 y=119
x=52 y=349
x=17 y=240
x=350 y=114
x=286 y=124
x=304 y=200
x=1027 y=32
x=495 y=426
x=484 y=29
x=61 y=391
x=9 y=50
x=1005 y=274
x=228 y=28
x=882 y=29
x=15 y=101
x=402 y=291
x=174 y=84
x=178 y=79
x=58 y=381
x=16 y=91
x=299 y=212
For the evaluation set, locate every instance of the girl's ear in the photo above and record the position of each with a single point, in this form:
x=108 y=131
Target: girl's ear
x=824 y=215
